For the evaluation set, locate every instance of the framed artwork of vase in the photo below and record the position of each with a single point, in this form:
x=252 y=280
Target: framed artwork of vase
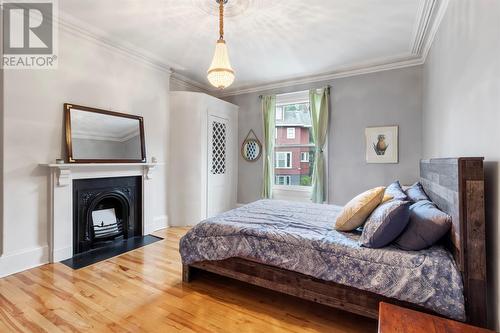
x=382 y=144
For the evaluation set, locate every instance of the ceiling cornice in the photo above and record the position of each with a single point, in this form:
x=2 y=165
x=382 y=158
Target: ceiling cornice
x=435 y=18
x=188 y=83
x=430 y=15
x=343 y=73
x=424 y=15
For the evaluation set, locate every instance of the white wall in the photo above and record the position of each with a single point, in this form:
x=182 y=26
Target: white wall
x=385 y=98
x=461 y=108
x=89 y=74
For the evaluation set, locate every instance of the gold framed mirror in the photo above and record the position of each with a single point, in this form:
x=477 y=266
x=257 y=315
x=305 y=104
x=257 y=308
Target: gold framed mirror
x=251 y=148
x=101 y=136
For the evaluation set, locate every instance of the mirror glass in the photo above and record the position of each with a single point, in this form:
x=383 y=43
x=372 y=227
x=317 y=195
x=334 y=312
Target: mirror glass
x=101 y=136
x=251 y=150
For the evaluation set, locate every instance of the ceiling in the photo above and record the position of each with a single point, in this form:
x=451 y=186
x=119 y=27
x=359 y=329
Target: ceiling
x=269 y=40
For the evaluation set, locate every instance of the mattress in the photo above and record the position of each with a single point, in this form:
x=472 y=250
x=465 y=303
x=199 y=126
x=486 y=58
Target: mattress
x=300 y=237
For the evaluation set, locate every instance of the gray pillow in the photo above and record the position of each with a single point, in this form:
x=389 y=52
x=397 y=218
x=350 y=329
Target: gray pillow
x=396 y=192
x=427 y=225
x=385 y=224
x=416 y=193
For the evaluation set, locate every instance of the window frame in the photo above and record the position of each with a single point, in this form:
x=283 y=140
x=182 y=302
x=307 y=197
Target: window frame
x=281 y=112
x=285 y=177
x=296 y=192
x=307 y=160
x=286 y=159
x=290 y=133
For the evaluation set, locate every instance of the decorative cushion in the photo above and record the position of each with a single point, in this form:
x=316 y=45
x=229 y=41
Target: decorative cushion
x=387 y=197
x=396 y=191
x=427 y=225
x=416 y=192
x=358 y=209
x=385 y=224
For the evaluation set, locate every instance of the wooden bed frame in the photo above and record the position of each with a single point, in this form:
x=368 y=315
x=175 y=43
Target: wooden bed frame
x=456 y=185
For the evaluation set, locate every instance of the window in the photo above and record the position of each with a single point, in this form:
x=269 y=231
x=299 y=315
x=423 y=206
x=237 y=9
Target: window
x=294 y=150
x=279 y=113
x=283 y=160
x=283 y=180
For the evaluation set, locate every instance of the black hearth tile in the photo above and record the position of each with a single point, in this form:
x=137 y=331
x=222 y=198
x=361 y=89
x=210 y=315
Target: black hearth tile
x=116 y=248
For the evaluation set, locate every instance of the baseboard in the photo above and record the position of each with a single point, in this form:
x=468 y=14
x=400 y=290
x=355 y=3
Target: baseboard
x=159 y=222
x=23 y=260
x=62 y=254
x=12 y=263
x=238 y=205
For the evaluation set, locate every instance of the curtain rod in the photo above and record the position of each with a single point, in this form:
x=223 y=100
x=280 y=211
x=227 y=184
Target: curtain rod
x=295 y=92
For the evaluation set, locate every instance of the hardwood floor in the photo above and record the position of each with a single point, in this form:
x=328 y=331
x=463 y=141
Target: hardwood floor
x=141 y=291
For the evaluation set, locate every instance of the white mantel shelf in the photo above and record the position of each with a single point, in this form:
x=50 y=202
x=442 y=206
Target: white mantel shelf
x=65 y=169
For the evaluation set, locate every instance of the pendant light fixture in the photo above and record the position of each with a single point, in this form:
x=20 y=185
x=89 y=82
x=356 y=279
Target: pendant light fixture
x=221 y=74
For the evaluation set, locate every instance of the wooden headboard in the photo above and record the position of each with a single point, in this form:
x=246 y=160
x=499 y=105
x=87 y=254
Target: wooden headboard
x=456 y=185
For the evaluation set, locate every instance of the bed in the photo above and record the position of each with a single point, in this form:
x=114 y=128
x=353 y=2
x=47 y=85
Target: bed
x=293 y=248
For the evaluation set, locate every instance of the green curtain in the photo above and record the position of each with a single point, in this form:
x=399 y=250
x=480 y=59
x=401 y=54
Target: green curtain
x=318 y=99
x=269 y=116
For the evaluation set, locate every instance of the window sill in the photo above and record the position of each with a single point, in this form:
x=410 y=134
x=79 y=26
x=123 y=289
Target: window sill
x=292 y=193
x=293 y=188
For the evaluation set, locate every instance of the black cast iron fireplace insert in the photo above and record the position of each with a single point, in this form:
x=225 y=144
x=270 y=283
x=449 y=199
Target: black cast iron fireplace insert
x=123 y=194
x=94 y=240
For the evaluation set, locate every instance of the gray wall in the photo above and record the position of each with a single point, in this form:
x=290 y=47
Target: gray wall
x=461 y=106
x=384 y=98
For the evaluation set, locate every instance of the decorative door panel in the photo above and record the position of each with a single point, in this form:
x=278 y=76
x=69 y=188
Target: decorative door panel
x=219 y=146
x=218 y=190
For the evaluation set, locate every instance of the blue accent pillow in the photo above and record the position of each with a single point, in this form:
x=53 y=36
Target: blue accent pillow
x=416 y=193
x=385 y=224
x=396 y=192
x=427 y=225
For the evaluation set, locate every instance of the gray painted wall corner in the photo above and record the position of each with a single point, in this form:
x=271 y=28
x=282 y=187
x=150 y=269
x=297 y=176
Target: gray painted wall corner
x=461 y=109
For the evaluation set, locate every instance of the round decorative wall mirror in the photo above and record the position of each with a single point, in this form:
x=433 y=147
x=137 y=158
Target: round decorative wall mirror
x=251 y=149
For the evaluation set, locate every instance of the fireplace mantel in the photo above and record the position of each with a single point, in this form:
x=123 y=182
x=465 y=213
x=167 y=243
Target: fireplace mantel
x=61 y=198
x=64 y=170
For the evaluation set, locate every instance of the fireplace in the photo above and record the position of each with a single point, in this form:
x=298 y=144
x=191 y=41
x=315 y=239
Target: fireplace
x=106 y=211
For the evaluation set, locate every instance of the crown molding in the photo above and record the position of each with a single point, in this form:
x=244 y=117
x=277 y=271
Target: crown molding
x=429 y=17
x=77 y=28
x=424 y=15
x=346 y=72
x=189 y=84
x=435 y=18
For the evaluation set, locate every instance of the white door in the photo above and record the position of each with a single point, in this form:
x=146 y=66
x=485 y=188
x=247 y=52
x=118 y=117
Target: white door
x=219 y=180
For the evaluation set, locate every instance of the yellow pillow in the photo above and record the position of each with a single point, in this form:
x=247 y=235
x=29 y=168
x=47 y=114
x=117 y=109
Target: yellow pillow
x=358 y=209
x=387 y=197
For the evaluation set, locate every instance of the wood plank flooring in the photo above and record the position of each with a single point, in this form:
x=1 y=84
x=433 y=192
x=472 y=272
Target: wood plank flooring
x=141 y=291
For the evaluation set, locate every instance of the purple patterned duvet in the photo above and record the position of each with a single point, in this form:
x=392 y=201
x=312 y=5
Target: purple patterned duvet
x=300 y=237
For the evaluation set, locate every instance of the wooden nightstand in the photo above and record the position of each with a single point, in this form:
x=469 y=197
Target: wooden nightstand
x=395 y=319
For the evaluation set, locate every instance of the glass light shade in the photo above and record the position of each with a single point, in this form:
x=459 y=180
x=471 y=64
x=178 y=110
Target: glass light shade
x=221 y=74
